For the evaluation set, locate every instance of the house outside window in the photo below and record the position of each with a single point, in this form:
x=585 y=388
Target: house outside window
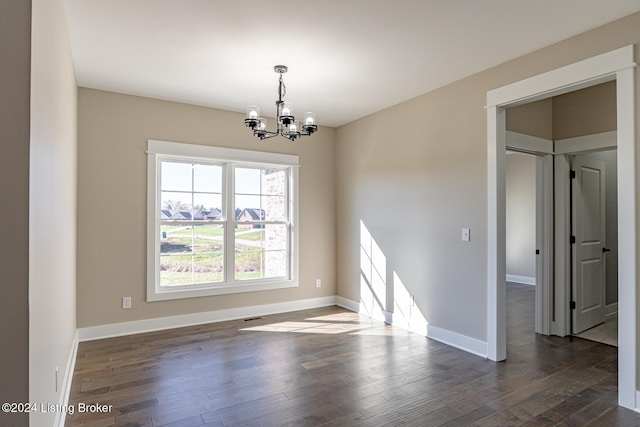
x=219 y=221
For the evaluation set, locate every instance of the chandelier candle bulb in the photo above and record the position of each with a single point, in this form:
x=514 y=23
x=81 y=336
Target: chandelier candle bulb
x=253 y=115
x=309 y=119
x=287 y=109
x=253 y=111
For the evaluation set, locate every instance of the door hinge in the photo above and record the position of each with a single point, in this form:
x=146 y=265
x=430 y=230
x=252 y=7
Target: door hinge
x=572 y=239
x=572 y=174
x=537 y=251
x=572 y=305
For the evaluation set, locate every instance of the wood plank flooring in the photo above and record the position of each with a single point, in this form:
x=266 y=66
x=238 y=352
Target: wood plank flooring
x=330 y=367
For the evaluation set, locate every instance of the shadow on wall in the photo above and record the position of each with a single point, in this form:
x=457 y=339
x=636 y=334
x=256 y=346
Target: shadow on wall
x=376 y=293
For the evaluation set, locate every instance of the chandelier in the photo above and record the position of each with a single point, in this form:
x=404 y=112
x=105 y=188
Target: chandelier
x=287 y=125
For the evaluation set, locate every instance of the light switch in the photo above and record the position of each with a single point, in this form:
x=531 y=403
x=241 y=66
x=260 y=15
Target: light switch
x=466 y=235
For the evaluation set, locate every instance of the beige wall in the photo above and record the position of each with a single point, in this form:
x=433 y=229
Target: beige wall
x=582 y=112
x=585 y=112
x=416 y=174
x=15 y=53
x=112 y=175
x=533 y=119
x=52 y=210
x=520 y=194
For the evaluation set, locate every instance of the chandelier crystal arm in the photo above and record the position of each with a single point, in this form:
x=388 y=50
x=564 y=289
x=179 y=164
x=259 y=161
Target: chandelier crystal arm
x=286 y=124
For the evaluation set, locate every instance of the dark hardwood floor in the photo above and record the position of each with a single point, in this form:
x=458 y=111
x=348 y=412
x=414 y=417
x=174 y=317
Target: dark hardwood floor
x=330 y=367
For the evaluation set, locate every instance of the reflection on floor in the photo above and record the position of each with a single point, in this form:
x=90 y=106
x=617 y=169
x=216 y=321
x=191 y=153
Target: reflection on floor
x=606 y=333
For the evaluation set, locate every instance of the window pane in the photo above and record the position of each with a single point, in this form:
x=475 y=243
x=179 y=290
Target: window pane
x=261 y=251
x=207 y=178
x=208 y=238
x=207 y=268
x=274 y=208
x=176 y=176
x=274 y=182
x=275 y=264
x=275 y=237
x=175 y=206
x=249 y=238
x=261 y=265
x=247 y=180
x=175 y=240
x=249 y=208
x=191 y=255
x=175 y=270
x=207 y=206
x=249 y=265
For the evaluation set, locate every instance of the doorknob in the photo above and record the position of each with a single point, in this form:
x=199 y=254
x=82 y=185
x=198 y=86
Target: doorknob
x=605 y=250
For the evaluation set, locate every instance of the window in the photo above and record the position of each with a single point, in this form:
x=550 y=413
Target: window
x=219 y=221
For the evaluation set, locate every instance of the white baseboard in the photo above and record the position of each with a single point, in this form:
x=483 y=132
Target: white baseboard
x=459 y=341
x=66 y=383
x=149 y=325
x=453 y=339
x=525 y=280
x=348 y=304
x=611 y=309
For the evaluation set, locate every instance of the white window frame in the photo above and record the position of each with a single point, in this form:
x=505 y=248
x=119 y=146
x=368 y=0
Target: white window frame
x=158 y=151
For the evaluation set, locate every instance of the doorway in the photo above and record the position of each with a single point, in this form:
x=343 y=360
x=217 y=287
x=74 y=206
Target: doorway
x=618 y=65
x=593 y=286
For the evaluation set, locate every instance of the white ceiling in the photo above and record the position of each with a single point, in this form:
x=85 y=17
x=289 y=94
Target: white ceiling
x=346 y=58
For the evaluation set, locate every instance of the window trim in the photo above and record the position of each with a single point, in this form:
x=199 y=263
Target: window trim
x=158 y=151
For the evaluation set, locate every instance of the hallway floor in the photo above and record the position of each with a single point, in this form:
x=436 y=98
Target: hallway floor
x=606 y=333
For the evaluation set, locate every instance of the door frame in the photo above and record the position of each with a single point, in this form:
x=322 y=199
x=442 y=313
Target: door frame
x=542 y=150
x=614 y=65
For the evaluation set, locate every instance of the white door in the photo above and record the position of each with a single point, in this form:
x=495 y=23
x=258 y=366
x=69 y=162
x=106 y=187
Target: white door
x=588 y=229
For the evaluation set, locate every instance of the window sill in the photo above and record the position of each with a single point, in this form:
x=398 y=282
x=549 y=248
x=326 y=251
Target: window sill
x=167 y=294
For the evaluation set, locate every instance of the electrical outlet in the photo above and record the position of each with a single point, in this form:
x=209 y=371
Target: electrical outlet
x=126 y=302
x=466 y=235
x=318 y=283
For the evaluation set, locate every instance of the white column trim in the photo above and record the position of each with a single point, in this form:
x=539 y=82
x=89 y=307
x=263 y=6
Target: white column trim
x=580 y=144
x=528 y=143
x=585 y=73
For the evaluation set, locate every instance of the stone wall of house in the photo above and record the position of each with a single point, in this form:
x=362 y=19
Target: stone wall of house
x=275 y=256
